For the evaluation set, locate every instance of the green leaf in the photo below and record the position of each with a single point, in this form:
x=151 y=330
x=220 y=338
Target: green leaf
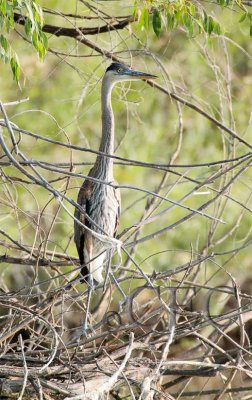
x=222 y=3
x=157 y=23
x=35 y=40
x=210 y=25
x=188 y=22
x=191 y=9
x=243 y=17
x=134 y=13
x=217 y=28
x=3 y=7
x=38 y=13
x=205 y=17
x=41 y=50
x=4 y=43
x=178 y=16
x=15 y=68
x=44 y=40
x=27 y=26
x=170 y=21
x=144 y=19
x=30 y=12
x=200 y=24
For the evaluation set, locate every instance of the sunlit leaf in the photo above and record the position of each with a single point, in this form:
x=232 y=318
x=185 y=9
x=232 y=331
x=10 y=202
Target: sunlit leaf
x=44 y=40
x=144 y=19
x=178 y=15
x=15 y=68
x=3 y=7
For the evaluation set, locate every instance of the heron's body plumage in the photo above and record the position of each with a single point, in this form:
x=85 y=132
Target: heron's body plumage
x=102 y=204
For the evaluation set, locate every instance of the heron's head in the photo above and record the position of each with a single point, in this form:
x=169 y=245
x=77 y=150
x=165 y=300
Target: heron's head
x=117 y=72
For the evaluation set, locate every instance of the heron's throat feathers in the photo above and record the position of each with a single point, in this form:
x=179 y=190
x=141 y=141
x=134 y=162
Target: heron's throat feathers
x=104 y=165
x=107 y=140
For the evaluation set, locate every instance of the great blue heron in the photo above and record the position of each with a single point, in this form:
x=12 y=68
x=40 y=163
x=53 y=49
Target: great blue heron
x=99 y=201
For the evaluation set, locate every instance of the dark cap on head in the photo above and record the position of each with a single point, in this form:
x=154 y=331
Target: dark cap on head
x=114 y=66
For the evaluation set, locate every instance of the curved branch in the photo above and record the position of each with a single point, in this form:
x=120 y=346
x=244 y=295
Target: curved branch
x=75 y=32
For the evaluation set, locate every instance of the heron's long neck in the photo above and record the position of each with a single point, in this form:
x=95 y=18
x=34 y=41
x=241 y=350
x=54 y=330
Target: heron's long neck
x=103 y=164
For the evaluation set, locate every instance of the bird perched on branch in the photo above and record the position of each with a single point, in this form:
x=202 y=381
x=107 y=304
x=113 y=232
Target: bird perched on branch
x=99 y=200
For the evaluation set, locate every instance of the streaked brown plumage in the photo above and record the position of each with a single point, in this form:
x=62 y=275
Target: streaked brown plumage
x=100 y=201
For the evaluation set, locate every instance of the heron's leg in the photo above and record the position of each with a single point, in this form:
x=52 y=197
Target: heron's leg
x=114 y=280
x=110 y=274
x=86 y=327
x=107 y=271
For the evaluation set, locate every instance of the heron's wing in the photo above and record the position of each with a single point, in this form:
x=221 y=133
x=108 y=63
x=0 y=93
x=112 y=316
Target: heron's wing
x=83 y=239
x=79 y=231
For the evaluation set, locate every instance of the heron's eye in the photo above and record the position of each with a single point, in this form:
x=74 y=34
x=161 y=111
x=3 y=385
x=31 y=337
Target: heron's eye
x=119 y=69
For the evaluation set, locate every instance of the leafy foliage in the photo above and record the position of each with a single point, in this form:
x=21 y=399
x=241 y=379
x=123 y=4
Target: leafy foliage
x=33 y=29
x=246 y=16
x=171 y=14
x=160 y=14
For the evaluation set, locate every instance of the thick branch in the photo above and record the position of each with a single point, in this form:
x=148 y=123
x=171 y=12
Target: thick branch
x=75 y=32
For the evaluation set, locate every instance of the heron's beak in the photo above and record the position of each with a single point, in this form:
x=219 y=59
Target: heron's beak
x=140 y=75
